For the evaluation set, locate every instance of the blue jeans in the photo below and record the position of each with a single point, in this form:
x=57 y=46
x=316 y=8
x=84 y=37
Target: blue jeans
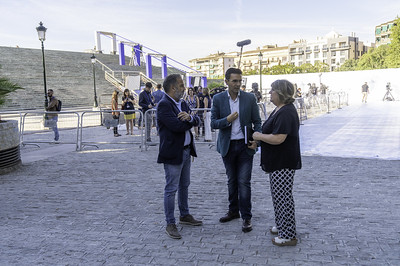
x=177 y=177
x=55 y=128
x=238 y=165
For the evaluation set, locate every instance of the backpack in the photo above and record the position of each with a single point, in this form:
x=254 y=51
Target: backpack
x=59 y=105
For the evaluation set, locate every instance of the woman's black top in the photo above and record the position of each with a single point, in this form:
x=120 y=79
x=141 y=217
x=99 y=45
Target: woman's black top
x=286 y=154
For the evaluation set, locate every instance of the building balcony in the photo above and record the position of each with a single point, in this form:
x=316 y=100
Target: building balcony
x=325 y=49
x=308 y=51
x=296 y=52
x=342 y=47
x=316 y=50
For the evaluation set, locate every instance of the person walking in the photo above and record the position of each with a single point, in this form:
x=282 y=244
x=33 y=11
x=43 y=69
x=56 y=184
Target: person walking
x=232 y=112
x=365 y=92
x=280 y=157
x=128 y=103
x=53 y=103
x=175 y=120
x=115 y=115
x=146 y=103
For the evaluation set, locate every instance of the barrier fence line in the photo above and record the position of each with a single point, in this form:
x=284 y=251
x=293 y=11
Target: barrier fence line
x=35 y=127
x=42 y=120
x=107 y=120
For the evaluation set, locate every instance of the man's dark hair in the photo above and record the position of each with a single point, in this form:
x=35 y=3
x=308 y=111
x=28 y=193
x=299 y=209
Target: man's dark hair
x=158 y=86
x=169 y=81
x=149 y=85
x=232 y=71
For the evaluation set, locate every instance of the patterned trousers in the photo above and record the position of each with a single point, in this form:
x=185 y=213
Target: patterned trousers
x=281 y=182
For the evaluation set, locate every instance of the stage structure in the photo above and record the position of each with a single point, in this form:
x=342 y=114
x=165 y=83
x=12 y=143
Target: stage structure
x=141 y=53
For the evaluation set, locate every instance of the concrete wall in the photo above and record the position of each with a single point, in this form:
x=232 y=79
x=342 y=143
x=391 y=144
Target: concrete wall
x=349 y=81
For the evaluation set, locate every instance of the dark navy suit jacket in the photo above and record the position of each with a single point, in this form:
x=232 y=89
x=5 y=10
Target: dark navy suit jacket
x=172 y=131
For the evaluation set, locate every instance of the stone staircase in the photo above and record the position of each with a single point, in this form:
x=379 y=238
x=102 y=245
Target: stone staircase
x=69 y=74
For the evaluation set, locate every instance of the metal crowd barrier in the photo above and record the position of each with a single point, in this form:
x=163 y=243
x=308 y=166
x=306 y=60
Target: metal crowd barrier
x=104 y=119
x=36 y=127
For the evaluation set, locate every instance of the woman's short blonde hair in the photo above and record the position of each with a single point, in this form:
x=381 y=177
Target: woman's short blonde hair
x=284 y=89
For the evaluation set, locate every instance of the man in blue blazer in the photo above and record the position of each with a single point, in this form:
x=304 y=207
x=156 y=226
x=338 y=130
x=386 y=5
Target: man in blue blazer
x=176 y=147
x=233 y=112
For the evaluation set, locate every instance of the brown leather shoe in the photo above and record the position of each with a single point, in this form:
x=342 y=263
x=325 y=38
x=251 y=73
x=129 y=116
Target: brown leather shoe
x=229 y=217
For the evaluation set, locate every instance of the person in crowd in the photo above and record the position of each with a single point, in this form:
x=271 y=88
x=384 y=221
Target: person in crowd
x=53 y=103
x=146 y=103
x=175 y=120
x=128 y=103
x=256 y=92
x=200 y=113
x=193 y=101
x=115 y=114
x=158 y=94
x=243 y=87
x=280 y=157
x=365 y=92
x=207 y=115
x=234 y=112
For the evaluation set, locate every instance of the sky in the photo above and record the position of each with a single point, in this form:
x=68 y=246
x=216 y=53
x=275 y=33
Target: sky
x=186 y=29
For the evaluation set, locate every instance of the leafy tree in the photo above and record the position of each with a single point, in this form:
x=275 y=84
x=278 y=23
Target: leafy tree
x=393 y=57
x=215 y=84
x=374 y=59
x=348 y=65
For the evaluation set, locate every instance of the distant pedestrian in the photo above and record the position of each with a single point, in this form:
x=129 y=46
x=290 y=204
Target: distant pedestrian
x=256 y=92
x=175 y=120
x=243 y=87
x=365 y=92
x=233 y=112
x=280 y=157
x=207 y=115
x=146 y=103
x=128 y=103
x=158 y=94
x=53 y=103
x=114 y=107
x=193 y=101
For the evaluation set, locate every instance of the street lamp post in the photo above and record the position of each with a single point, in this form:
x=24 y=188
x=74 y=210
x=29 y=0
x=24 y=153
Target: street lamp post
x=260 y=57
x=95 y=104
x=41 y=30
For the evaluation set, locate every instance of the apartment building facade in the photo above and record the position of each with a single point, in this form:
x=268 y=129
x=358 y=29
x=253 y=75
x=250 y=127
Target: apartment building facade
x=215 y=65
x=333 y=49
x=383 y=32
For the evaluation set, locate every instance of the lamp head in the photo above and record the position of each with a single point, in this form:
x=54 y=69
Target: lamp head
x=41 y=30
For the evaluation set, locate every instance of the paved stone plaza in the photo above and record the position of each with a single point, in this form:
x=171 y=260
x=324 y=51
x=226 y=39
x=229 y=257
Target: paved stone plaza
x=105 y=206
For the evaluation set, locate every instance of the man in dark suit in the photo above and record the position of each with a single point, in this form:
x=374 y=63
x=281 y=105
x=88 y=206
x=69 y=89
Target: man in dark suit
x=146 y=103
x=176 y=147
x=233 y=112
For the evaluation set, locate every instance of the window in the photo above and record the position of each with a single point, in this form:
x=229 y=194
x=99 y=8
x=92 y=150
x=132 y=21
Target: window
x=292 y=57
x=325 y=54
x=333 y=61
x=342 y=60
x=333 y=45
x=308 y=56
x=316 y=55
x=333 y=53
x=324 y=61
x=316 y=47
x=342 y=53
x=300 y=57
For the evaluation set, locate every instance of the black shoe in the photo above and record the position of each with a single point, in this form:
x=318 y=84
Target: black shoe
x=247 y=227
x=172 y=231
x=189 y=220
x=229 y=217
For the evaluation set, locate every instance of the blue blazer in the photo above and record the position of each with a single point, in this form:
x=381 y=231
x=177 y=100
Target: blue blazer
x=249 y=115
x=172 y=131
